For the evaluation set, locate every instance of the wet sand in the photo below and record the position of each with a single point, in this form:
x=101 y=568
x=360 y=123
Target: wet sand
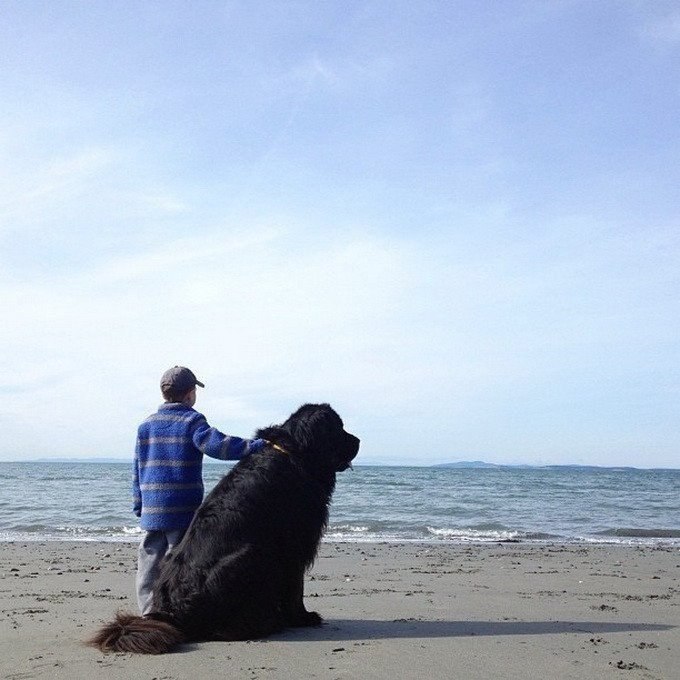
x=391 y=611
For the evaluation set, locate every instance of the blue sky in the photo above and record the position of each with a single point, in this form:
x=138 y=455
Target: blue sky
x=457 y=222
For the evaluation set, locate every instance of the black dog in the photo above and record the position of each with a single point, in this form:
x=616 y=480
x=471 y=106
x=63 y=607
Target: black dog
x=238 y=573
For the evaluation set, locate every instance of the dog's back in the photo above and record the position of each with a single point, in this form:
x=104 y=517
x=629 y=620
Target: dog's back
x=263 y=519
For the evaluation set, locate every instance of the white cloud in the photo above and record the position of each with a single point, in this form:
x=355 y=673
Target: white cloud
x=342 y=73
x=665 y=29
x=36 y=187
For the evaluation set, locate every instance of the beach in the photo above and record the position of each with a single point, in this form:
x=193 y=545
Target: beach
x=391 y=610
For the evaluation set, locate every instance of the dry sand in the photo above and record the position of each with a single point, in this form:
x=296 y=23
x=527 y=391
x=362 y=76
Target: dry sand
x=391 y=611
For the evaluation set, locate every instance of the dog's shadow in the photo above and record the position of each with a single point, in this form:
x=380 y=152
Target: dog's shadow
x=363 y=629
x=351 y=630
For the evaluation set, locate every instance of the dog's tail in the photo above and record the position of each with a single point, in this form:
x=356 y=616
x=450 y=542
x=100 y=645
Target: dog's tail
x=137 y=634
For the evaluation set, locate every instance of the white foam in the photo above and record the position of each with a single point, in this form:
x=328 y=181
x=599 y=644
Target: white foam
x=476 y=535
x=132 y=531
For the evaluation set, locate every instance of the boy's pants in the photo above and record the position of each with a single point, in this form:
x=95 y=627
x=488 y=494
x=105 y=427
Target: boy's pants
x=154 y=546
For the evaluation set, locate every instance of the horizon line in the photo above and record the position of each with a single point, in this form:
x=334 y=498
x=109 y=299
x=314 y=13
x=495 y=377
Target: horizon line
x=465 y=464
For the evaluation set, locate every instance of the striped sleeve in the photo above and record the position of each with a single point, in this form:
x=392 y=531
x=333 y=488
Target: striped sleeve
x=211 y=442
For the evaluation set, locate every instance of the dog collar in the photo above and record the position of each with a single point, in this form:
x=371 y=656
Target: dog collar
x=278 y=448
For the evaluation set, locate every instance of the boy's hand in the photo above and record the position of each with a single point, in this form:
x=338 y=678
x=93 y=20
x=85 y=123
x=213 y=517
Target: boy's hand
x=256 y=445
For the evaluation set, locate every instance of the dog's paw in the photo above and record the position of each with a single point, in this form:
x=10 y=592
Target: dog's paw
x=305 y=619
x=313 y=619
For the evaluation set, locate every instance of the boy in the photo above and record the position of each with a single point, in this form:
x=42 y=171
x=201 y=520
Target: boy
x=168 y=480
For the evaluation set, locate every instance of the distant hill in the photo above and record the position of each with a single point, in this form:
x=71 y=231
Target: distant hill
x=589 y=467
x=467 y=464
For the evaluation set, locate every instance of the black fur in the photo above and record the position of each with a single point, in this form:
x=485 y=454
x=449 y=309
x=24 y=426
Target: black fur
x=238 y=573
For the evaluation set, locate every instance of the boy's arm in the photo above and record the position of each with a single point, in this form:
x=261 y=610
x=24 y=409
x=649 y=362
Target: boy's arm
x=213 y=443
x=136 y=492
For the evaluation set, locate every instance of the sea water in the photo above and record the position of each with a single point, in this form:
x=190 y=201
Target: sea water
x=92 y=501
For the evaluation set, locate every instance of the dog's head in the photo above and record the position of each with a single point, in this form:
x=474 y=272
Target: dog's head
x=318 y=432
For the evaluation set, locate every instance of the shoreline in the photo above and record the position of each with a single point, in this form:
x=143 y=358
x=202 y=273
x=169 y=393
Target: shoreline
x=391 y=610
x=632 y=541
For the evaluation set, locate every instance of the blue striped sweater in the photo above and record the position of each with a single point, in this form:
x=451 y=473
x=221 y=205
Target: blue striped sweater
x=168 y=466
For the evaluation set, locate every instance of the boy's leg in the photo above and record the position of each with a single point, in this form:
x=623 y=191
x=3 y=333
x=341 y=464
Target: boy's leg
x=153 y=547
x=174 y=537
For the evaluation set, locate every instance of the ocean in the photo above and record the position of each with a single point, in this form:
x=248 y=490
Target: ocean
x=91 y=501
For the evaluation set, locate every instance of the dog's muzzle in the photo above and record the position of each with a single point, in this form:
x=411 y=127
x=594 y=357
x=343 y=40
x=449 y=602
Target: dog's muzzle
x=351 y=452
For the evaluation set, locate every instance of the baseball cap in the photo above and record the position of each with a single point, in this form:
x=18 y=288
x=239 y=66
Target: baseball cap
x=179 y=379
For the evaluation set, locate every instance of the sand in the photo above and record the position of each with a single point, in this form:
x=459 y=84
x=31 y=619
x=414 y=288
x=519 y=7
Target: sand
x=391 y=611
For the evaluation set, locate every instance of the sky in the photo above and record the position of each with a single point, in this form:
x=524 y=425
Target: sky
x=457 y=222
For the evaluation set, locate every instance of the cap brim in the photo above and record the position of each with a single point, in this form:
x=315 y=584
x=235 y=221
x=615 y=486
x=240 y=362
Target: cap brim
x=199 y=383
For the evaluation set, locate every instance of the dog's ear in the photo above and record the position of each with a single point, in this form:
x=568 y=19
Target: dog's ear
x=320 y=438
x=316 y=428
